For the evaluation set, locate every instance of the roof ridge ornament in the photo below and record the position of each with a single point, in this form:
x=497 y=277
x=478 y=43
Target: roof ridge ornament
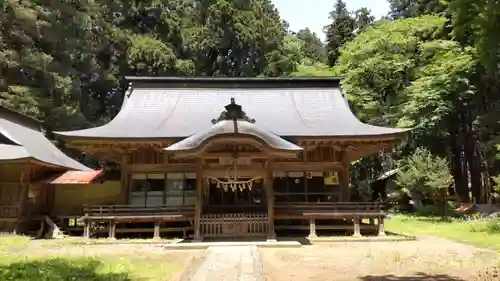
x=233 y=112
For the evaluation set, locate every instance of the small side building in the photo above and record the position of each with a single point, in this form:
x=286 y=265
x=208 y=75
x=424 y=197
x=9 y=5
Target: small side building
x=27 y=159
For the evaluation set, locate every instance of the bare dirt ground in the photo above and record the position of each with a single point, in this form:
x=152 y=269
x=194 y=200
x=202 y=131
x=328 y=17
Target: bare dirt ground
x=428 y=258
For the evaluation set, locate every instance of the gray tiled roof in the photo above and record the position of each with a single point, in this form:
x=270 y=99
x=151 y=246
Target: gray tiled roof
x=176 y=111
x=226 y=127
x=28 y=141
x=13 y=152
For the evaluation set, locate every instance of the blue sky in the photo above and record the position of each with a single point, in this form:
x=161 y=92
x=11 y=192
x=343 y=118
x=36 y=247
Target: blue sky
x=314 y=13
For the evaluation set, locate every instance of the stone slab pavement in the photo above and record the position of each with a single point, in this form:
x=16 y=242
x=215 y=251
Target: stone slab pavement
x=229 y=263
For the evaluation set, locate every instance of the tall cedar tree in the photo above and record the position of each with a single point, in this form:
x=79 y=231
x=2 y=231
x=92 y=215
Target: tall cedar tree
x=363 y=19
x=339 y=31
x=313 y=47
x=415 y=8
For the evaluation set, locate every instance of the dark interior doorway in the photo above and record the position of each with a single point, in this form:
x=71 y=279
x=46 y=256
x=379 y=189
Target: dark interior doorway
x=246 y=200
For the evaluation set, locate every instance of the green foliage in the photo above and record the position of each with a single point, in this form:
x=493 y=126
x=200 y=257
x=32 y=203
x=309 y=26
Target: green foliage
x=471 y=231
x=415 y=8
x=309 y=68
x=435 y=210
x=313 y=48
x=148 y=56
x=493 y=225
x=339 y=31
x=61 y=269
x=380 y=64
x=363 y=19
x=13 y=241
x=490 y=225
x=443 y=77
x=496 y=180
x=65 y=63
x=423 y=174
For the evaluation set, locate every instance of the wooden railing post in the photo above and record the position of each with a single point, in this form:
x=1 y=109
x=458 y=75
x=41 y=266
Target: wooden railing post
x=112 y=229
x=156 y=234
x=86 y=222
x=86 y=227
x=381 y=229
x=357 y=230
x=312 y=228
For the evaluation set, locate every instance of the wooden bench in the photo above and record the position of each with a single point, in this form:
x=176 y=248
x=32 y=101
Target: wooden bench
x=114 y=214
x=354 y=211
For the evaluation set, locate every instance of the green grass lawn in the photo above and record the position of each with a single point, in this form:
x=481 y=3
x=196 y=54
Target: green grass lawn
x=23 y=259
x=474 y=232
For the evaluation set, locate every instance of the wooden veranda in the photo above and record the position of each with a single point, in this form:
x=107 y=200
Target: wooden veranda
x=238 y=224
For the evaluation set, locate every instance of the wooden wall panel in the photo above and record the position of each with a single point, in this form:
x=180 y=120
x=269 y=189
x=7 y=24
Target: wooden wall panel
x=69 y=198
x=10 y=172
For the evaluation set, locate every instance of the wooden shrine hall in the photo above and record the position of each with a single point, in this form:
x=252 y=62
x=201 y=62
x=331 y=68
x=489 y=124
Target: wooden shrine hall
x=232 y=157
x=27 y=158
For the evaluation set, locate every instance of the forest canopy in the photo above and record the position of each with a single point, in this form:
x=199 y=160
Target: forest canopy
x=430 y=65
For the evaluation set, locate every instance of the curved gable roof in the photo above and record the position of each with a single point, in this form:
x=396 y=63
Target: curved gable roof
x=178 y=108
x=28 y=141
x=227 y=128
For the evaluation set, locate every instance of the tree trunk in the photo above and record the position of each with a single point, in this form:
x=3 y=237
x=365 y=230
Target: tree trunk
x=458 y=167
x=473 y=161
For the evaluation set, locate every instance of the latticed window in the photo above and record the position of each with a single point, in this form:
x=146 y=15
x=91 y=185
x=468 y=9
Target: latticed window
x=156 y=189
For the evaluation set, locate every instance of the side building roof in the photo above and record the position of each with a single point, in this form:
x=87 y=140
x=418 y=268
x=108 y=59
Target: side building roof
x=180 y=107
x=21 y=137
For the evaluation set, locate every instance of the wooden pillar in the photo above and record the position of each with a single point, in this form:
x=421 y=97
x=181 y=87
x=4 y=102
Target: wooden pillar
x=344 y=177
x=381 y=229
x=357 y=230
x=198 y=205
x=86 y=228
x=50 y=193
x=312 y=228
x=23 y=198
x=124 y=178
x=112 y=229
x=157 y=235
x=268 y=182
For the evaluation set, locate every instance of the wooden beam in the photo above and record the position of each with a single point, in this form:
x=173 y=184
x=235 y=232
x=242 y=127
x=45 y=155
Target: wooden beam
x=304 y=166
x=344 y=176
x=124 y=176
x=240 y=172
x=230 y=155
x=165 y=168
x=23 y=196
x=269 y=189
x=198 y=204
x=192 y=167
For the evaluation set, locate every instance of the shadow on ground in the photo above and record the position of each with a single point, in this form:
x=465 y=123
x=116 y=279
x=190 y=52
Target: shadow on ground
x=59 y=269
x=414 y=277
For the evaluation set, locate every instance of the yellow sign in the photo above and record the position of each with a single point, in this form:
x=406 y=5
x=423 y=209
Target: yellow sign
x=332 y=178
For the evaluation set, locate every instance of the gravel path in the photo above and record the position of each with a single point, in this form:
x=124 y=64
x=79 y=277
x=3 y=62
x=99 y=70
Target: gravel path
x=427 y=258
x=223 y=263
